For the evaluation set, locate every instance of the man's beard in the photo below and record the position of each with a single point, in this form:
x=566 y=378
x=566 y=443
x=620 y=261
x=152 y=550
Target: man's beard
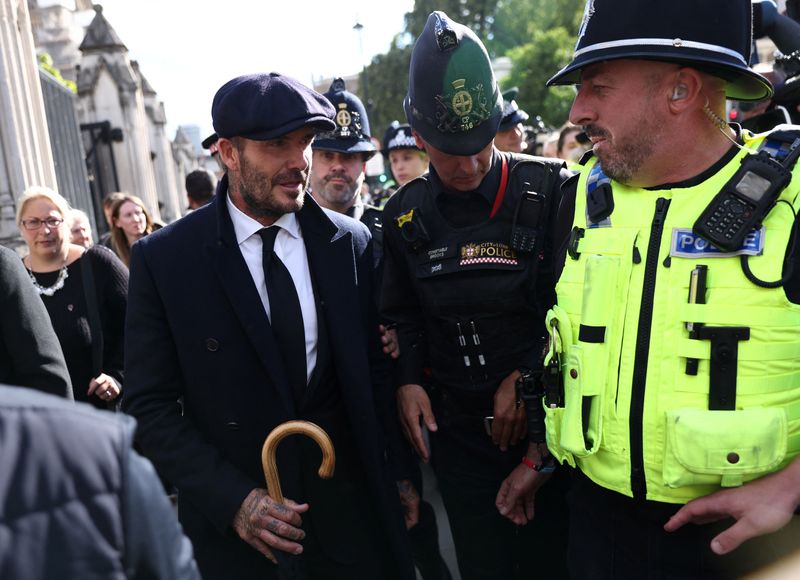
x=257 y=191
x=339 y=195
x=623 y=161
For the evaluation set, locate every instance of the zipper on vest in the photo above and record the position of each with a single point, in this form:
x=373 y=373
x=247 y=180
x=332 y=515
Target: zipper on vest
x=638 y=482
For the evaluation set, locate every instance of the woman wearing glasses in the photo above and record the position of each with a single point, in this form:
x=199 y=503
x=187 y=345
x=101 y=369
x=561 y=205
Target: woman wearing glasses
x=84 y=291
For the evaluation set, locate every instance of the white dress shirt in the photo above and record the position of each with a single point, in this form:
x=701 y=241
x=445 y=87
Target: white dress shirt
x=291 y=249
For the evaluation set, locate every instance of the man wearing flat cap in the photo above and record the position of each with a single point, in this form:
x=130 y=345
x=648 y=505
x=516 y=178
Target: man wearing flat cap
x=212 y=377
x=678 y=303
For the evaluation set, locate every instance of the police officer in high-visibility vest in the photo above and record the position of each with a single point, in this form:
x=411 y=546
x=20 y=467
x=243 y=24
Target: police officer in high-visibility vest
x=467 y=280
x=677 y=325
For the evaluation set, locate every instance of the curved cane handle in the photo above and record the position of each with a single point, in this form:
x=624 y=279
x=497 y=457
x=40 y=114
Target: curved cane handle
x=277 y=435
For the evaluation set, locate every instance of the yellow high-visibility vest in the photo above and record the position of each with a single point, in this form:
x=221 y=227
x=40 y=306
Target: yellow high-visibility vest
x=633 y=420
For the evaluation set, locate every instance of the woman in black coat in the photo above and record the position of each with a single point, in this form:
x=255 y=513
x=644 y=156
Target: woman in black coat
x=84 y=291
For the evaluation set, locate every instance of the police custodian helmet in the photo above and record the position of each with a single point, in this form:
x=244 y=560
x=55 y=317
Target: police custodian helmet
x=714 y=36
x=352 y=134
x=398 y=136
x=453 y=101
x=512 y=114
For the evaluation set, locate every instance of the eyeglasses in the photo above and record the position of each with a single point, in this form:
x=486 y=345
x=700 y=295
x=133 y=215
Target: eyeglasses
x=36 y=223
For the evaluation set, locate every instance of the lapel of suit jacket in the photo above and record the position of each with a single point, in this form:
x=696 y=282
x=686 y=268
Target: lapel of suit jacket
x=331 y=260
x=235 y=279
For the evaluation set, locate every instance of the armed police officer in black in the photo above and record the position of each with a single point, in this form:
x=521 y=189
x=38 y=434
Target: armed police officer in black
x=467 y=280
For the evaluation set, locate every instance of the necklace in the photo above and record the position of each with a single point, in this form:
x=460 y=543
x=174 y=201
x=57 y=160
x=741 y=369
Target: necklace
x=50 y=290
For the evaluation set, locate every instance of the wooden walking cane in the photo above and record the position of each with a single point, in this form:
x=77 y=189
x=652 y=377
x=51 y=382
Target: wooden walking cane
x=277 y=435
x=287 y=564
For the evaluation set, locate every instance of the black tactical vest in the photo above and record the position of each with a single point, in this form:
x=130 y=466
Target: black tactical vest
x=478 y=292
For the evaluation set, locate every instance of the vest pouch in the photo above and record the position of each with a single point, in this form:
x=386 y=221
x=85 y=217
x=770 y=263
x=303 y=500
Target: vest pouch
x=552 y=421
x=587 y=361
x=582 y=418
x=723 y=448
x=599 y=290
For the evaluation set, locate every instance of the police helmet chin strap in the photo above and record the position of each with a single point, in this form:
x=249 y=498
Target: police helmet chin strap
x=723 y=127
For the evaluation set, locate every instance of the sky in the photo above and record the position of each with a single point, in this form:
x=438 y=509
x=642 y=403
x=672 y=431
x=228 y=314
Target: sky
x=187 y=49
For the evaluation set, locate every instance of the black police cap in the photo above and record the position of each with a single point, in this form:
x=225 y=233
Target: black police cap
x=351 y=133
x=209 y=141
x=512 y=114
x=398 y=136
x=266 y=106
x=453 y=101
x=714 y=36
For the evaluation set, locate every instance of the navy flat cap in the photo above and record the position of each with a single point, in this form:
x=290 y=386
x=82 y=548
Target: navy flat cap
x=266 y=106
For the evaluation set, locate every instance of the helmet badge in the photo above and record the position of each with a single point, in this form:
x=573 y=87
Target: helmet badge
x=462 y=100
x=343 y=119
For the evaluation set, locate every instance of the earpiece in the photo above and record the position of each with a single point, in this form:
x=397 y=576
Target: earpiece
x=679 y=93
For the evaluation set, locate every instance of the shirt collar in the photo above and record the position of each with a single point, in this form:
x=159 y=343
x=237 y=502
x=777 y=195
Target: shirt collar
x=244 y=226
x=487 y=188
x=357 y=209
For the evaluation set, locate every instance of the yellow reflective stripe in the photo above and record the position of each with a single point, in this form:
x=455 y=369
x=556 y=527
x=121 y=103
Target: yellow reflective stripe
x=701 y=349
x=723 y=314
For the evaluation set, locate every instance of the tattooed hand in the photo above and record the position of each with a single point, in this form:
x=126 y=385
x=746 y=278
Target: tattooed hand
x=409 y=500
x=263 y=523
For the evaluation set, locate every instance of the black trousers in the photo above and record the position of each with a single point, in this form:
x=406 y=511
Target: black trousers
x=470 y=469
x=424 y=537
x=615 y=537
x=345 y=539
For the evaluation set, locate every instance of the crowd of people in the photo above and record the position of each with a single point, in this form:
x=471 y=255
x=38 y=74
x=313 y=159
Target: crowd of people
x=594 y=348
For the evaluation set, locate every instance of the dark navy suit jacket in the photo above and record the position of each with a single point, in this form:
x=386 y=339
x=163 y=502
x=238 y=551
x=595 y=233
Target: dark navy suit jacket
x=197 y=332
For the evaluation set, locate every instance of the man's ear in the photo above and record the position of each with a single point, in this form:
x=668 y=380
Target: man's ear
x=418 y=140
x=686 y=89
x=228 y=153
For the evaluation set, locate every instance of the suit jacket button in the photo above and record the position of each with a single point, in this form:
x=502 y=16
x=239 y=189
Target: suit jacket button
x=212 y=344
x=232 y=426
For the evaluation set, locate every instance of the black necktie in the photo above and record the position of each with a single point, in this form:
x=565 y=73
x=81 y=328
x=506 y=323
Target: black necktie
x=286 y=317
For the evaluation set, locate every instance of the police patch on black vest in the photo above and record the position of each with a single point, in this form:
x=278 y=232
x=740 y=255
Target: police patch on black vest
x=449 y=258
x=687 y=244
x=487 y=253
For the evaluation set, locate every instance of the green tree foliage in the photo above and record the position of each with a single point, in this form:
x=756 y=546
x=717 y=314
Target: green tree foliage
x=533 y=64
x=387 y=77
x=46 y=64
x=515 y=21
x=538 y=36
x=477 y=14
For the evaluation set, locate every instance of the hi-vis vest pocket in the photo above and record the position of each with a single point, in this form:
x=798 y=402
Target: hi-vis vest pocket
x=724 y=448
x=553 y=420
x=582 y=422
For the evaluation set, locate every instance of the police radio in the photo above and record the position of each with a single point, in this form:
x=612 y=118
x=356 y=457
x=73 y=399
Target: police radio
x=743 y=202
x=527 y=220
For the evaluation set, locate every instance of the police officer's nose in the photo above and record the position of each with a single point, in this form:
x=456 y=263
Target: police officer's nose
x=580 y=113
x=468 y=165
